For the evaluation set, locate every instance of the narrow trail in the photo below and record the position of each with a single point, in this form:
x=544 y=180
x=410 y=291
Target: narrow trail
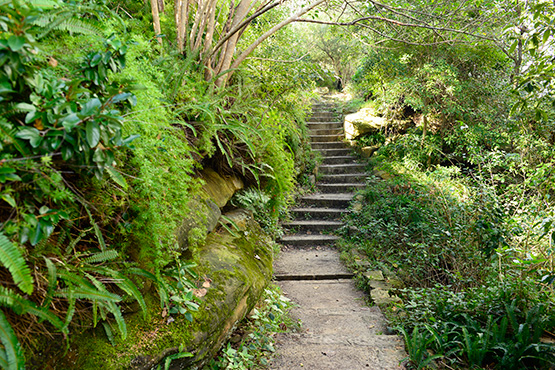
x=339 y=331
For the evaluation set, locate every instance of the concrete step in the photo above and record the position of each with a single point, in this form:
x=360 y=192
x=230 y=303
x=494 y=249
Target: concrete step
x=343 y=159
x=324 y=115
x=304 y=240
x=313 y=226
x=327 y=131
x=334 y=169
x=359 y=177
x=325 y=138
x=327 y=200
x=334 y=152
x=309 y=262
x=324 y=125
x=340 y=188
x=311 y=213
x=327 y=145
x=323 y=120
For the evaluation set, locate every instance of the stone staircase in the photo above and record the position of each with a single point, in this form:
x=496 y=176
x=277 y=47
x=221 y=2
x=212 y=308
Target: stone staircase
x=338 y=330
x=318 y=214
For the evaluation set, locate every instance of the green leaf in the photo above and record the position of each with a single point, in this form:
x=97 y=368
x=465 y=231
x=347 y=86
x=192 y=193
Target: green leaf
x=93 y=133
x=9 y=199
x=116 y=176
x=14 y=353
x=31 y=134
x=25 y=107
x=91 y=107
x=70 y=121
x=16 y=42
x=12 y=258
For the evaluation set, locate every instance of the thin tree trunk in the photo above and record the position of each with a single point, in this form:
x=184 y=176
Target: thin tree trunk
x=156 y=19
x=424 y=127
x=226 y=58
x=181 y=20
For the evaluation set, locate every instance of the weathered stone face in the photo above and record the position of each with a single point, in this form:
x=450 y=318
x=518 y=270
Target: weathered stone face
x=205 y=209
x=362 y=122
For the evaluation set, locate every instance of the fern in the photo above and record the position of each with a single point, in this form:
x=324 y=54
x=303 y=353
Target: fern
x=52 y=282
x=125 y=284
x=90 y=294
x=76 y=240
x=12 y=356
x=114 y=309
x=21 y=306
x=104 y=256
x=96 y=229
x=12 y=259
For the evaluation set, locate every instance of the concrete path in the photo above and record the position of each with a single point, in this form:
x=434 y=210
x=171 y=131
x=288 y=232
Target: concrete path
x=339 y=331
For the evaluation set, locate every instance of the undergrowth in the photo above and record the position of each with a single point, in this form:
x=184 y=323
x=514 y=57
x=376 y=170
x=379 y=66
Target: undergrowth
x=256 y=334
x=476 y=265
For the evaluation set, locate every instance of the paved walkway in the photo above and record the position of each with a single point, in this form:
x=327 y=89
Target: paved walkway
x=339 y=331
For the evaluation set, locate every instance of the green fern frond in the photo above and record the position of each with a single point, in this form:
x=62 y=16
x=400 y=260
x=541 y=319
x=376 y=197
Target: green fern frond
x=73 y=25
x=160 y=284
x=12 y=258
x=14 y=354
x=102 y=256
x=125 y=284
x=21 y=306
x=52 y=281
x=89 y=294
x=74 y=242
x=96 y=229
x=109 y=334
x=115 y=310
x=74 y=279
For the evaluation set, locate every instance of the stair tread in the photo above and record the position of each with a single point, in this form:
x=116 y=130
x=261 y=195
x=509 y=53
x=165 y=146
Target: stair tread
x=313 y=222
x=333 y=196
x=315 y=237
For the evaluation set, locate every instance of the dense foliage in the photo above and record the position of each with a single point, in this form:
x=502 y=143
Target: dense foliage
x=464 y=212
x=102 y=133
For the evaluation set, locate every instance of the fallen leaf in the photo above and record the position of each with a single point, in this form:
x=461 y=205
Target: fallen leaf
x=164 y=312
x=53 y=62
x=200 y=292
x=206 y=284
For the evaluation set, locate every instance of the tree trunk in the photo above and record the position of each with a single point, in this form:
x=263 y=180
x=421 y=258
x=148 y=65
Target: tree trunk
x=269 y=33
x=227 y=55
x=156 y=19
x=424 y=127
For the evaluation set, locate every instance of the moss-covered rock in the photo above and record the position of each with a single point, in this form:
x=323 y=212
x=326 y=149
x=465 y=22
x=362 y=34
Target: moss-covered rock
x=205 y=210
x=234 y=268
x=362 y=122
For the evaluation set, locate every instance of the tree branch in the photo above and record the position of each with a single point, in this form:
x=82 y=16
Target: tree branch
x=392 y=21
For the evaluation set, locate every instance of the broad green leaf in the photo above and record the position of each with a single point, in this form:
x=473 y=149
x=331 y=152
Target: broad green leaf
x=93 y=133
x=31 y=134
x=9 y=199
x=91 y=107
x=70 y=121
x=16 y=42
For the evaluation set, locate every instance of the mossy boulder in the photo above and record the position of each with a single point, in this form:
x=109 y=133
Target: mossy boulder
x=205 y=209
x=362 y=122
x=234 y=267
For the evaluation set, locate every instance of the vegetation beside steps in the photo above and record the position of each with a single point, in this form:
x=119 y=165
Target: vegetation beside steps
x=471 y=268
